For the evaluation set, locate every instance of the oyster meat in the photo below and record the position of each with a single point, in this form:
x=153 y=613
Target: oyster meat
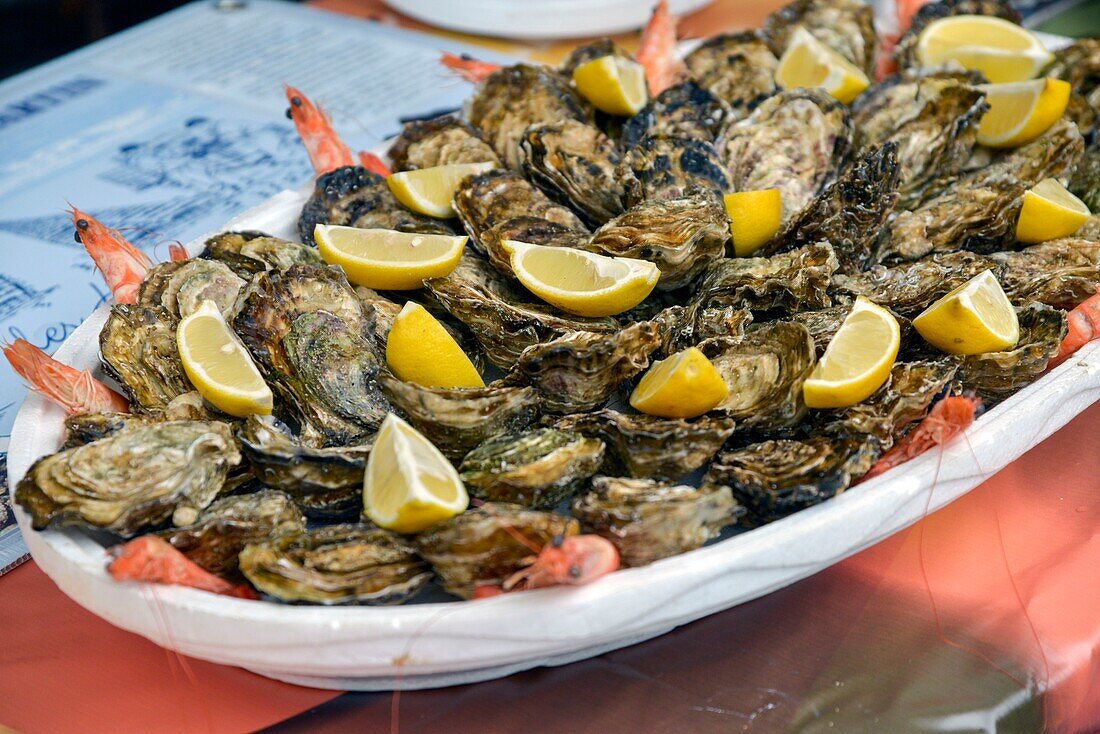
x=686 y=111
x=648 y=520
x=909 y=288
x=137 y=346
x=792 y=281
x=440 y=141
x=671 y=168
x=738 y=68
x=846 y=26
x=198 y=280
x=248 y=253
x=996 y=375
x=1060 y=273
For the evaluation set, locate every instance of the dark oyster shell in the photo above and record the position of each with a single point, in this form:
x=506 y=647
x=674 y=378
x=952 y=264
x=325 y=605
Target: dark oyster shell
x=659 y=168
x=775 y=478
x=791 y=281
x=137 y=346
x=459 y=419
x=537 y=468
x=591 y=51
x=910 y=288
x=481 y=545
x=533 y=230
x=82 y=428
x=648 y=520
x=135 y=478
x=281 y=461
x=224 y=528
x=248 y=253
x=440 y=141
x=1060 y=273
x=649 y=447
x=846 y=26
x=738 y=68
x=905 y=53
x=681 y=327
x=996 y=375
x=682 y=111
x=339 y=564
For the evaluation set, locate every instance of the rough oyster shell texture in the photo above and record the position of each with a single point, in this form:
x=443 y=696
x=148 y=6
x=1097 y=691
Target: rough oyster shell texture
x=681 y=327
x=657 y=168
x=684 y=110
x=1085 y=182
x=250 y=252
x=440 y=141
x=738 y=68
x=792 y=281
x=996 y=375
x=1060 y=273
x=1079 y=64
x=909 y=288
x=846 y=26
x=137 y=346
x=282 y=461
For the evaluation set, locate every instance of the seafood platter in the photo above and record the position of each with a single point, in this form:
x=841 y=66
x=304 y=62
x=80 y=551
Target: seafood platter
x=623 y=343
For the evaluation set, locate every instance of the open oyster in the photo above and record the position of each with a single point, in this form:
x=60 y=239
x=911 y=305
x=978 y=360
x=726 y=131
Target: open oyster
x=681 y=327
x=996 y=375
x=133 y=479
x=793 y=141
x=481 y=545
x=846 y=26
x=775 y=478
x=909 y=288
x=138 y=348
x=338 y=564
x=764 y=372
x=791 y=281
x=671 y=168
x=905 y=53
x=648 y=520
x=248 y=253
x=649 y=447
x=193 y=282
x=537 y=468
x=684 y=110
x=581 y=370
x=1060 y=273
x=224 y=528
x=738 y=68
x=281 y=461
x=459 y=419
x=440 y=141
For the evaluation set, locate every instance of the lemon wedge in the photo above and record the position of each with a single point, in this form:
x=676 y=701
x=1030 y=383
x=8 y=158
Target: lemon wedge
x=685 y=385
x=409 y=485
x=420 y=350
x=1049 y=212
x=755 y=217
x=431 y=191
x=612 y=84
x=1003 y=51
x=219 y=366
x=975 y=318
x=858 y=359
x=808 y=62
x=1022 y=111
x=386 y=259
x=580 y=282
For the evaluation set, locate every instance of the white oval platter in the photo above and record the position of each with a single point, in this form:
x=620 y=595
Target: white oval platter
x=440 y=644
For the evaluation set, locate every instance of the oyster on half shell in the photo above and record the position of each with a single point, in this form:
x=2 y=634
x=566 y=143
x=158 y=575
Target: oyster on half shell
x=137 y=346
x=440 y=141
x=659 y=168
x=996 y=375
x=790 y=281
x=1060 y=273
x=249 y=252
x=282 y=461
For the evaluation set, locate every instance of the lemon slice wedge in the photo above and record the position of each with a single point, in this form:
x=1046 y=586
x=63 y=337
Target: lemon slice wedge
x=1003 y=51
x=580 y=282
x=420 y=350
x=975 y=318
x=858 y=359
x=685 y=385
x=755 y=217
x=389 y=260
x=612 y=84
x=1022 y=111
x=808 y=62
x=1049 y=212
x=219 y=365
x=431 y=191
x=409 y=485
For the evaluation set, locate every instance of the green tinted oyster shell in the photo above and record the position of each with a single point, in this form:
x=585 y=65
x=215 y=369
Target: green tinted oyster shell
x=648 y=520
x=82 y=428
x=738 y=68
x=537 y=468
x=249 y=252
x=338 y=564
x=481 y=544
x=440 y=141
x=996 y=375
x=137 y=346
x=1060 y=273
x=792 y=281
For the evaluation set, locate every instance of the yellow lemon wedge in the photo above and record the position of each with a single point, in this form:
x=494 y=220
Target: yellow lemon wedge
x=858 y=359
x=975 y=318
x=431 y=191
x=420 y=350
x=808 y=62
x=219 y=365
x=755 y=217
x=409 y=485
x=1003 y=51
x=582 y=283
x=1022 y=111
x=685 y=385
x=386 y=259
x=1049 y=212
x=612 y=84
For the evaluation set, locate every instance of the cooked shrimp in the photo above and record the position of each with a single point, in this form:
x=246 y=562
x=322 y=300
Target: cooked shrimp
x=467 y=67
x=123 y=265
x=572 y=560
x=74 y=390
x=1084 y=326
x=153 y=559
x=327 y=151
x=176 y=252
x=373 y=163
x=949 y=417
x=657 y=51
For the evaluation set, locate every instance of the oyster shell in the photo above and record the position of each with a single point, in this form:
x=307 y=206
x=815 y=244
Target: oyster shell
x=534 y=230
x=536 y=468
x=591 y=51
x=648 y=520
x=681 y=327
x=581 y=370
x=996 y=375
x=738 y=68
x=82 y=428
x=135 y=478
x=339 y=564
x=775 y=478
x=790 y=281
x=1060 y=273
x=909 y=288
x=1079 y=64
x=1085 y=182
x=764 y=372
x=249 y=252
x=198 y=280
x=905 y=53
x=686 y=111
x=481 y=544
x=440 y=141
x=459 y=419
x=224 y=528
x=137 y=346
x=794 y=141
x=846 y=26
x=671 y=168
x=281 y=461
x=649 y=447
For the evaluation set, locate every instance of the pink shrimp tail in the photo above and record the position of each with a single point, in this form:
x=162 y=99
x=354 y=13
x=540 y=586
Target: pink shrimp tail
x=153 y=559
x=177 y=253
x=467 y=67
x=948 y=418
x=1083 y=325
x=657 y=51
x=123 y=265
x=572 y=560
x=74 y=390
x=373 y=163
x=327 y=151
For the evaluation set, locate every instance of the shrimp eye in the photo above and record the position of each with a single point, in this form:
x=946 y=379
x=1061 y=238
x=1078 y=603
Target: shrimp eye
x=466 y=57
x=82 y=223
x=76 y=236
x=574 y=572
x=296 y=101
x=557 y=540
